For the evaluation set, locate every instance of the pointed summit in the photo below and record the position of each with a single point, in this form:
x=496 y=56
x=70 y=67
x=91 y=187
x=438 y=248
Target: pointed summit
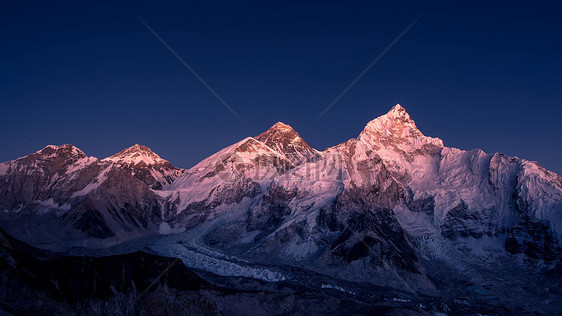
x=279 y=132
x=396 y=122
x=135 y=155
x=396 y=129
x=284 y=139
x=281 y=126
x=397 y=108
x=399 y=113
x=145 y=165
x=278 y=128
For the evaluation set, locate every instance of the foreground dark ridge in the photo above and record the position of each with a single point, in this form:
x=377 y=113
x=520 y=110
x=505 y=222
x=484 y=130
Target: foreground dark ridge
x=42 y=283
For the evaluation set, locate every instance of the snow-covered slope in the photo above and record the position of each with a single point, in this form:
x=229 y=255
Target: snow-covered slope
x=373 y=199
x=285 y=140
x=381 y=208
x=240 y=172
x=54 y=173
x=59 y=195
x=146 y=166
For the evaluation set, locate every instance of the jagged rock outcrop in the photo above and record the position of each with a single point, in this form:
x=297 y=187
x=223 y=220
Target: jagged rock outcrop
x=145 y=165
x=388 y=208
x=62 y=195
x=284 y=139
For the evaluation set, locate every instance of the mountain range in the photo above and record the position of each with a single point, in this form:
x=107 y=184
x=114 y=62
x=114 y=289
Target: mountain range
x=391 y=211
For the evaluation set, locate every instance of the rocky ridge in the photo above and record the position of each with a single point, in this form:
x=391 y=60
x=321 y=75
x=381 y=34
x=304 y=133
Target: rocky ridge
x=389 y=208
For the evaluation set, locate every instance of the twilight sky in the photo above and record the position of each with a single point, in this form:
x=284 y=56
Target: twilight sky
x=91 y=74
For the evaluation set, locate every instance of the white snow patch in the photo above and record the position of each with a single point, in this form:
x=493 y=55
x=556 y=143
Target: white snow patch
x=335 y=287
x=165 y=229
x=94 y=184
x=196 y=260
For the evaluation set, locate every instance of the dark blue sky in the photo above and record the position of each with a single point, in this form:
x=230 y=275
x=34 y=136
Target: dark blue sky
x=476 y=75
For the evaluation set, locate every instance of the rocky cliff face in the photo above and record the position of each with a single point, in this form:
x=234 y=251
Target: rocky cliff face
x=145 y=165
x=391 y=208
x=285 y=140
x=55 y=172
x=60 y=195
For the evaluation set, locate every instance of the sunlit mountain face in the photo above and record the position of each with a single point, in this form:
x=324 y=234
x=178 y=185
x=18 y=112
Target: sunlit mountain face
x=251 y=158
x=392 y=221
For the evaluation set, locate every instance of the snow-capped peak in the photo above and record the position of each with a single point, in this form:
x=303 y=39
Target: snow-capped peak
x=135 y=155
x=397 y=108
x=285 y=140
x=62 y=150
x=396 y=129
x=281 y=126
x=395 y=120
x=278 y=132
